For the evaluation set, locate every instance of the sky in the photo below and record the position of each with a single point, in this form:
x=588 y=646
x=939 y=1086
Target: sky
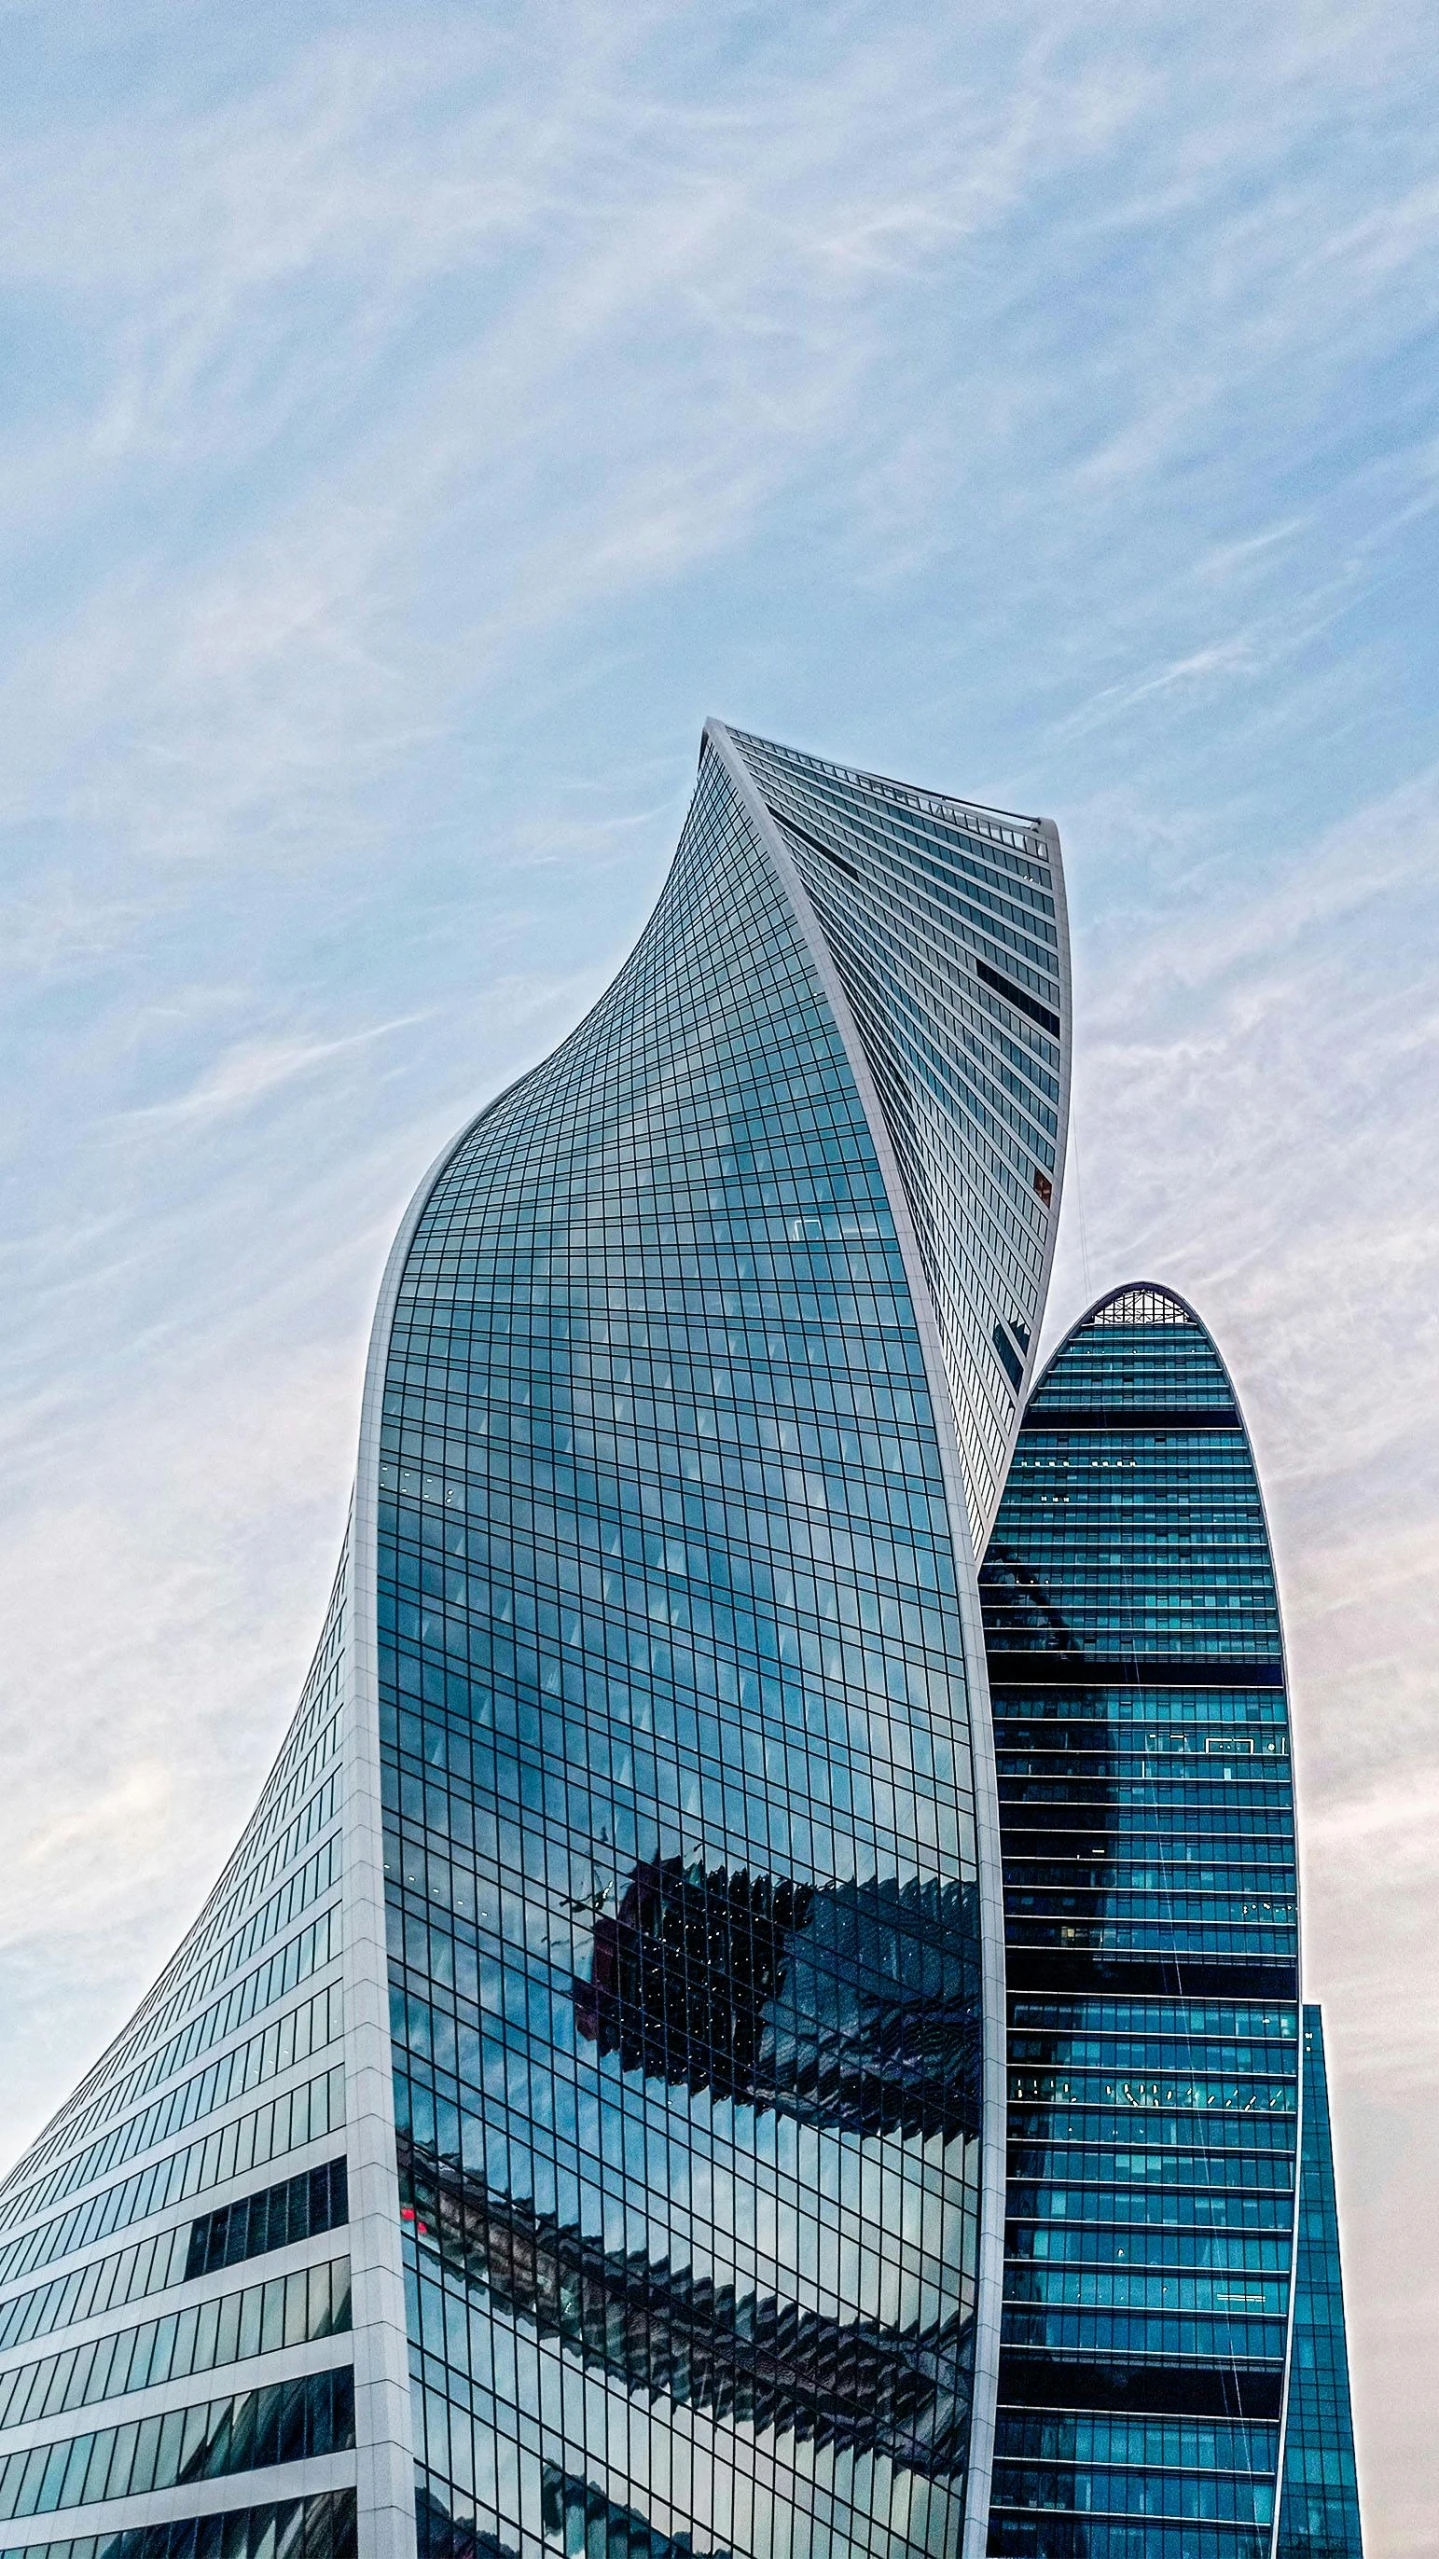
x=412 y=424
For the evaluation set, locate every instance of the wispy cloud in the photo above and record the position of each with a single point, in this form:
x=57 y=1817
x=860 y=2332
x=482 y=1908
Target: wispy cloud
x=251 y=1069
x=414 y=427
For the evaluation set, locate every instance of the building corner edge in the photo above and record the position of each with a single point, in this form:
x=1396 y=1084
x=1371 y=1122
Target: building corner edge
x=384 y=2429
x=989 y=2267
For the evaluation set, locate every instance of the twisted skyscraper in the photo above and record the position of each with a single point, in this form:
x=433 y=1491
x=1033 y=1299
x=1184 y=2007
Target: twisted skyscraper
x=577 y=2120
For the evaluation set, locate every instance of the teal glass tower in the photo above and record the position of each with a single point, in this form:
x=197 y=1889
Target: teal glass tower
x=1156 y=2059
x=575 y=2122
x=1319 y=2503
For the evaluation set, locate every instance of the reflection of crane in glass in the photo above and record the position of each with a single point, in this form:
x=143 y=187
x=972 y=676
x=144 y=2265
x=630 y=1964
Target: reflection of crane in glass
x=588 y=1903
x=671 y=2333
x=855 y=2006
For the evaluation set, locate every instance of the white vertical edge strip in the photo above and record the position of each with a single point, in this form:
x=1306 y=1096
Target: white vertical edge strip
x=996 y=2019
x=384 y=2431
x=991 y=1845
x=1050 y=834
x=989 y=2283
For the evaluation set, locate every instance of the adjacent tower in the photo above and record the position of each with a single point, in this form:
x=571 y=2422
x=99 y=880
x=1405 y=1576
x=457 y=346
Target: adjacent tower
x=575 y=2121
x=1319 y=2501
x=1157 y=2049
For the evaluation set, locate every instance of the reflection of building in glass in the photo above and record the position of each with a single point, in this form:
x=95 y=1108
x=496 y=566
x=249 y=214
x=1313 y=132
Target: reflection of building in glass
x=854 y=2005
x=1141 y=1731
x=687 y=2339
x=632 y=1859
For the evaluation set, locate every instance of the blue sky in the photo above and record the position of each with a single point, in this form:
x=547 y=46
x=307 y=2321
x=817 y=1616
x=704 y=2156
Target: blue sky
x=413 y=423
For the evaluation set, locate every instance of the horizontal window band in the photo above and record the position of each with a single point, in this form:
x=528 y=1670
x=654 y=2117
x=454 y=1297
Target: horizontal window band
x=297 y=2036
x=298 y=2208
x=1071 y=1670
x=1258 y=2133
x=1042 y=1968
x=1160 y=2390
x=321 y=2527
x=1132 y=1417
x=288 y=2310
x=1016 y=996
x=300 y=2420
x=248 y=2141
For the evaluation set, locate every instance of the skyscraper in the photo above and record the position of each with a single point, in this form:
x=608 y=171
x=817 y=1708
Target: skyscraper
x=1156 y=2042
x=575 y=2121
x=1319 y=2501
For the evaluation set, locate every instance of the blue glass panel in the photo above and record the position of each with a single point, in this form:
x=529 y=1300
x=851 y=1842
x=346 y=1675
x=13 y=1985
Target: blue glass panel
x=1319 y=2509
x=1141 y=1732
x=945 y=926
x=685 y=1966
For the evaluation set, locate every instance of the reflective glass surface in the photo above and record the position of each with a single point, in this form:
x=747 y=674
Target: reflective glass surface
x=945 y=924
x=1141 y=1729
x=682 y=1843
x=288 y=2310
x=164 y=2138
x=1319 y=2508
x=682 y=1863
x=305 y=2419
x=321 y=2527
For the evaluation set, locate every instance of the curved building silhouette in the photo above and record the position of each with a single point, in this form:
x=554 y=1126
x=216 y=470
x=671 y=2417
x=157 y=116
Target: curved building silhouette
x=1156 y=2041
x=575 y=2121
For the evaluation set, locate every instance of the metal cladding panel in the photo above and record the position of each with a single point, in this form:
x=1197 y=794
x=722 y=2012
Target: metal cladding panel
x=1142 y=1739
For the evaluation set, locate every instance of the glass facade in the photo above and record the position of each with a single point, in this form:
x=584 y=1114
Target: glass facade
x=288 y=2421
x=597 y=2053
x=211 y=2134
x=596 y=2030
x=320 y=2527
x=1319 y=2507
x=1141 y=1731
x=681 y=1786
x=946 y=926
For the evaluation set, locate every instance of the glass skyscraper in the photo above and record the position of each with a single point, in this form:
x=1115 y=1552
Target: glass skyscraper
x=1157 y=2048
x=576 y=2120
x=730 y=2033
x=1319 y=2502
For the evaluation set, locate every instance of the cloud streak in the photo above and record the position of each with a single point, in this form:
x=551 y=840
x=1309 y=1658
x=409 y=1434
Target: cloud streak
x=414 y=430
x=250 y=1070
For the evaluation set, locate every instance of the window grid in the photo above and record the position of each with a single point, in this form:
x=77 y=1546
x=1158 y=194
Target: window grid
x=673 y=1712
x=288 y=2310
x=321 y=2527
x=1146 y=1807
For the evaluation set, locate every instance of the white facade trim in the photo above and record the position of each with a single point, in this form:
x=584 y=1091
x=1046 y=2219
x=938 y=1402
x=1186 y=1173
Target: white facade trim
x=276 y=2486
x=384 y=2430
